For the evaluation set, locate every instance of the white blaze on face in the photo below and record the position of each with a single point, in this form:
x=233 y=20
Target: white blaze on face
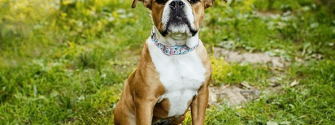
x=181 y=28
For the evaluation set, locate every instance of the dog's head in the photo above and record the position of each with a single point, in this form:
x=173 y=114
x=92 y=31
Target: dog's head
x=176 y=17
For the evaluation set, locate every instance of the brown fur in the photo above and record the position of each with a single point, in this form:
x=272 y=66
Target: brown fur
x=198 y=10
x=156 y=13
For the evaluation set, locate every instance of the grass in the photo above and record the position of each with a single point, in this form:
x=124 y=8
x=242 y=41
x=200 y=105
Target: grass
x=65 y=63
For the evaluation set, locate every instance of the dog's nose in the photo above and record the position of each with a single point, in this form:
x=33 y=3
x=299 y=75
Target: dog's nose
x=176 y=4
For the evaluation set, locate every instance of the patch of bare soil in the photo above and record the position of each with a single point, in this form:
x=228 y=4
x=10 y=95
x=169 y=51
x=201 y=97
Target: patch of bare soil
x=235 y=95
x=253 y=58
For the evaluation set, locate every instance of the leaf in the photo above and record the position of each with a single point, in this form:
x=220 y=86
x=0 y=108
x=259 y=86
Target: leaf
x=245 y=84
x=294 y=83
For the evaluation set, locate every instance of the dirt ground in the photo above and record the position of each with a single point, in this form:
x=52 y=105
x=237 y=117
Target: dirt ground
x=237 y=94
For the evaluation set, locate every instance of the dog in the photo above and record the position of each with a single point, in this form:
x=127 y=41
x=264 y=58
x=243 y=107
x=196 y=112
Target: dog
x=174 y=70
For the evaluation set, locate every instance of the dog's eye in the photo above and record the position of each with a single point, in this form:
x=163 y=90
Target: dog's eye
x=193 y=1
x=161 y=1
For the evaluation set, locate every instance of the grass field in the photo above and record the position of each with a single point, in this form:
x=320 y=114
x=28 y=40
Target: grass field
x=65 y=62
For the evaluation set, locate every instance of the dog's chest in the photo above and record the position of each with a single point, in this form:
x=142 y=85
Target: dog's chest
x=181 y=75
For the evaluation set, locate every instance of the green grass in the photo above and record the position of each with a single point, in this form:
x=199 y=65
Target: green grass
x=66 y=63
x=225 y=73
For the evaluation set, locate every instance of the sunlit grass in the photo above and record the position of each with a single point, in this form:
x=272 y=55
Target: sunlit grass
x=65 y=62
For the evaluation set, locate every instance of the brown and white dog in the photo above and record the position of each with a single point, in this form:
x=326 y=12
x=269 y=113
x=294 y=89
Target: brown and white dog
x=165 y=85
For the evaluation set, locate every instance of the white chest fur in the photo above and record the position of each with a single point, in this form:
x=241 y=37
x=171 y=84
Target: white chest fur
x=181 y=75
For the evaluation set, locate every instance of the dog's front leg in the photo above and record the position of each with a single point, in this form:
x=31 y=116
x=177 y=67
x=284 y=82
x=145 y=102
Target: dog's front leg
x=199 y=105
x=144 y=109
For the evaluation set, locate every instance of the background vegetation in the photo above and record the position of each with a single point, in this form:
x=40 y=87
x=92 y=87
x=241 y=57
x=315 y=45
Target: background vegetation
x=64 y=62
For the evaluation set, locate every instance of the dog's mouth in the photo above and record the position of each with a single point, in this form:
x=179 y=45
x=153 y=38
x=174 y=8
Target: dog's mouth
x=178 y=25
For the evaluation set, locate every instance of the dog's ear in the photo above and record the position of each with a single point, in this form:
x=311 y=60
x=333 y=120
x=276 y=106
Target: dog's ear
x=209 y=3
x=146 y=3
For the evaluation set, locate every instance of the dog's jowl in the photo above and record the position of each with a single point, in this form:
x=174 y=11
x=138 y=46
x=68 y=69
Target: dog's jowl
x=174 y=69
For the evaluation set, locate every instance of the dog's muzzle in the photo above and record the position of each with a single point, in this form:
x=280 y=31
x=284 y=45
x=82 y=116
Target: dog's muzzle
x=177 y=18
